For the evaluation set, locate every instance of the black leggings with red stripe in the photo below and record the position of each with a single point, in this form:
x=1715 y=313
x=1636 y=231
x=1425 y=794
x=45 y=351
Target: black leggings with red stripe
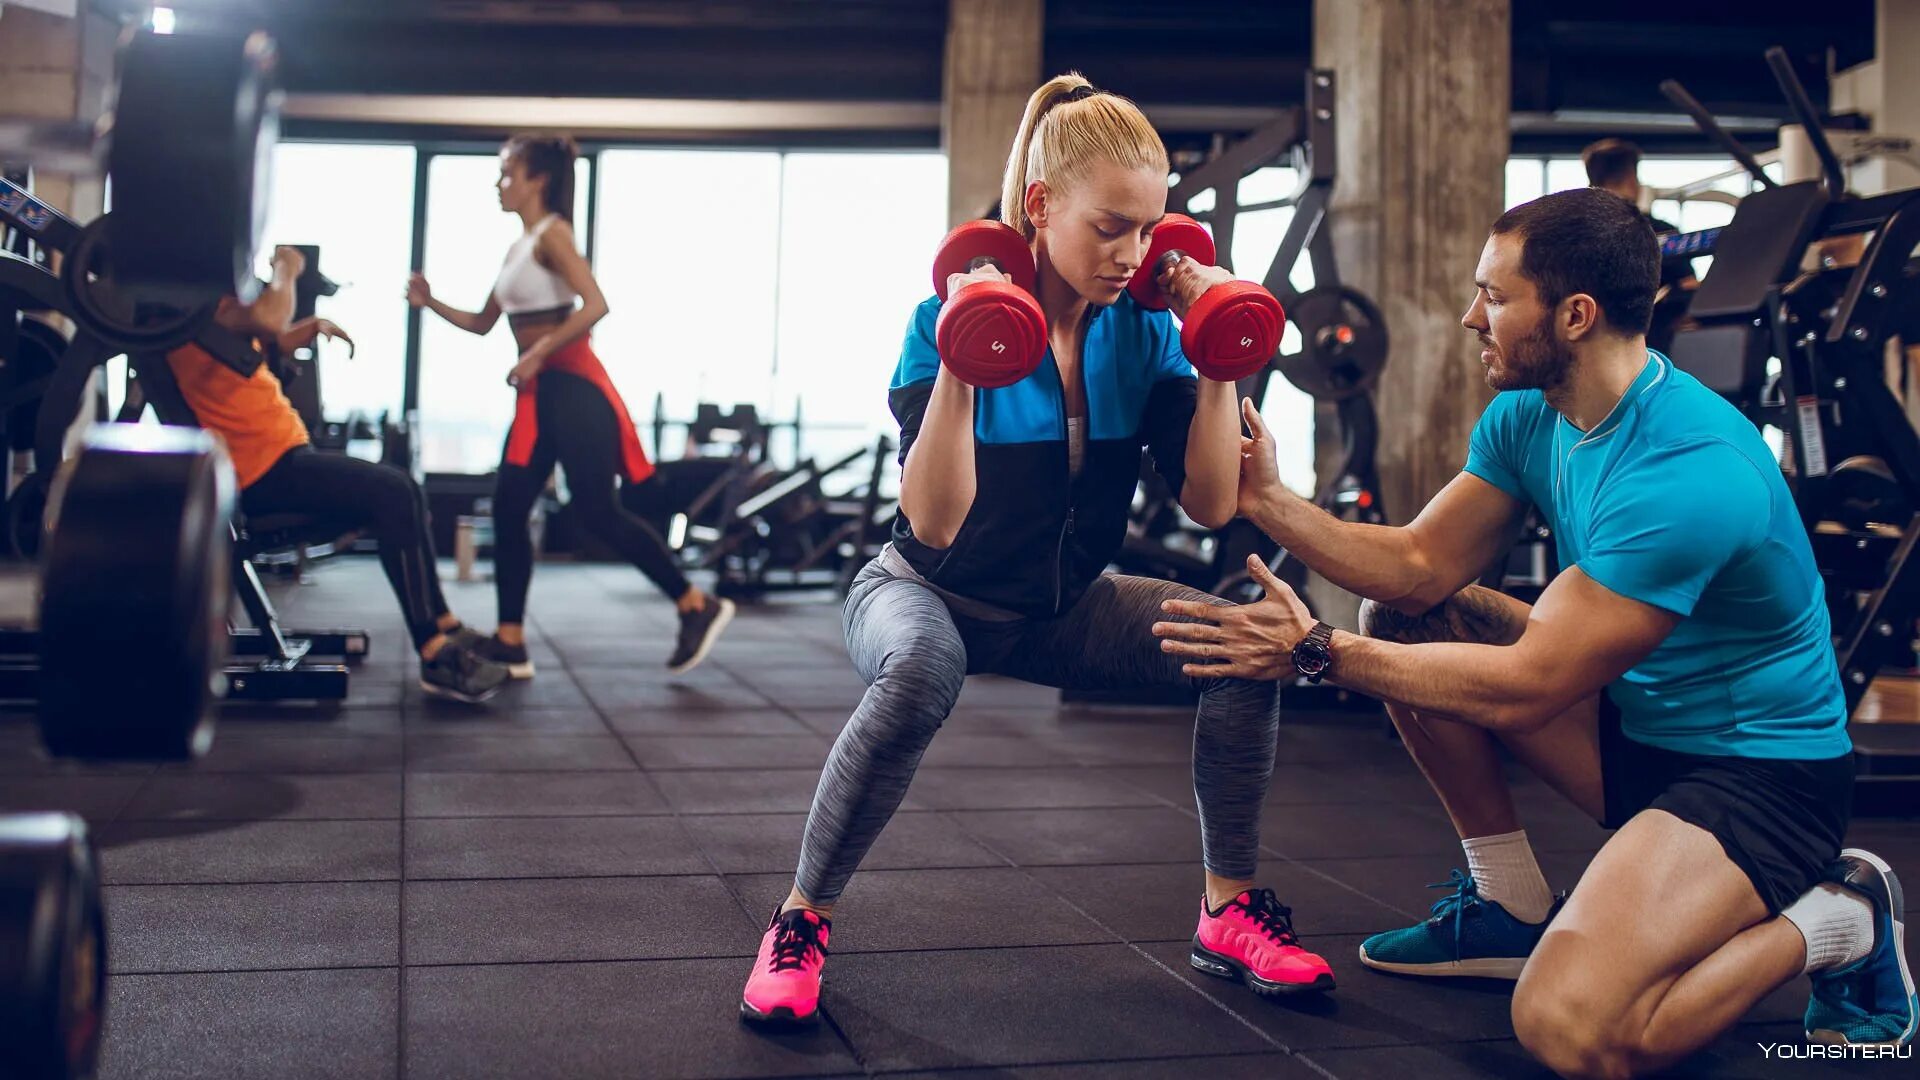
x=580 y=432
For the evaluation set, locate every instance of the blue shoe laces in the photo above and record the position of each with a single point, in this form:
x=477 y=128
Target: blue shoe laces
x=1465 y=895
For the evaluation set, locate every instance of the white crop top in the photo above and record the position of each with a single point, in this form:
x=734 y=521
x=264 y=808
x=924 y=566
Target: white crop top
x=526 y=286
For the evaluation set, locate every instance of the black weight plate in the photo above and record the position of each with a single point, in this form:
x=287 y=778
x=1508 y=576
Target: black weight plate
x=133 y=593
x=1862 y=491
x=190 y=151
x=1343 y=343
x=104 y=307
x=39 y=351
x=26 y=516
x=53 y=947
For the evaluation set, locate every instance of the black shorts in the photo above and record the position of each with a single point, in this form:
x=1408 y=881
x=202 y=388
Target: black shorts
x=1781 y=822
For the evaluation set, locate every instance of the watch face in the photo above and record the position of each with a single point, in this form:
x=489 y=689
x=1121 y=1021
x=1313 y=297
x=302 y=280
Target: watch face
x=1311 y=658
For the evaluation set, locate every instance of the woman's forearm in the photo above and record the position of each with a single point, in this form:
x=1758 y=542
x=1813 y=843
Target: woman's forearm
x=937 y=483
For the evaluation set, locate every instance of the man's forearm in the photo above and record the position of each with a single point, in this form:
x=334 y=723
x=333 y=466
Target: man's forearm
x=1377 y=562
x=1483 y=685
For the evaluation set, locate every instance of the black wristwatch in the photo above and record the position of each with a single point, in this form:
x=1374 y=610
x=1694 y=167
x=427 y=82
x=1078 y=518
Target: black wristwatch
x=1314 y=655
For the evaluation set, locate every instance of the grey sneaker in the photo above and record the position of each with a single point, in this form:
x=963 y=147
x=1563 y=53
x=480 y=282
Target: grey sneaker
x=698 y=631
x=518 y=664
x=456 y=672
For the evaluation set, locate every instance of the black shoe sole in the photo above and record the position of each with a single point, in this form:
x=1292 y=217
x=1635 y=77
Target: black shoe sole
x=1212 y=963
x=781 y=1017
x=454 y=695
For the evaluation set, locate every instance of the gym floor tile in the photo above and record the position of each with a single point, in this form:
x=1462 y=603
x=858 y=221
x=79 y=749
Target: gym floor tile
x=97 y=798
x=901 y=910
x=551 y=689
x=677 y=1018
x=1737 y=1055
x=290 y=753
x=1086 y=837
x=1089 y=744
x=172 y=796
x=22 y=755
x=500 y=717
x=1269 y=1066
x=179 y=928
x=516 y=753
x=497 y=922
x=268 y=722
x=992 y=691
x=324 y=1025
x=1020 y=788
x=972 y=749
x=1358 y=829
x=571 y=794
x=168 y=852
x=984 y=1007
x=622 y=696
x=661 y=752
x=549 y=847
x=749 y=791
x=770 y=843
x=1162 y=902
x=1368 y=1008
x=759 y=720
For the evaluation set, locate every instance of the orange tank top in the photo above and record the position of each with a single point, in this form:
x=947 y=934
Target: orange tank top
x=251 y=414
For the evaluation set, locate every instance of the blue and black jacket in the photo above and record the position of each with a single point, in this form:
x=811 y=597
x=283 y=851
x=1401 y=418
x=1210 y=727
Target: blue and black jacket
x=1034 y=538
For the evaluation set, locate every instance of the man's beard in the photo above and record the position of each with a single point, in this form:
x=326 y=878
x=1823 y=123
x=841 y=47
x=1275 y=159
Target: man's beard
x=1538 y=361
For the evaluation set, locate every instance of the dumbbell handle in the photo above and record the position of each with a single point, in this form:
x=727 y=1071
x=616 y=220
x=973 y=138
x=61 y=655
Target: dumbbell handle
x=979 y=261
x=1167 y=260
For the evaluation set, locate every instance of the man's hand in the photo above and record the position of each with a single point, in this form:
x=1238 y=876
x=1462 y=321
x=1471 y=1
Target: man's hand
x=1248 y=641
x=419 y=293
x=1259 y=467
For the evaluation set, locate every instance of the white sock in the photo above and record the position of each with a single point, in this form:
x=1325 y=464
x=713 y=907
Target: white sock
x=1837 y=924
x=1505 y=872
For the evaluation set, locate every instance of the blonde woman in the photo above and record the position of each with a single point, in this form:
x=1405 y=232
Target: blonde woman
x=1012 y=501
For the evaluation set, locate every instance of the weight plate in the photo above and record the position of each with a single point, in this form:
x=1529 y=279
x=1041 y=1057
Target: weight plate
x=26 y=516
x=1343 y=343
x=190 y=153
x=135 y=577
x=40 y=348
x=983 y=239
x=103 y=307
x=1176 y=232
x=1862 y=492
x=53 y=947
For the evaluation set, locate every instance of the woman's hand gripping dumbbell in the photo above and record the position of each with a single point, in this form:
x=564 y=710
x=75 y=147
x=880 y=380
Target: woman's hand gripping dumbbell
x=1230 y=328
x=991 y=332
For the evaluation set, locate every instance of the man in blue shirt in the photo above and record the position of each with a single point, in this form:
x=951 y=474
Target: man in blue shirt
x=1676 y=681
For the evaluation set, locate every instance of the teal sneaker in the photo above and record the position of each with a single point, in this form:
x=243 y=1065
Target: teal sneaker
x=1870 y=1002
x=1467 y=935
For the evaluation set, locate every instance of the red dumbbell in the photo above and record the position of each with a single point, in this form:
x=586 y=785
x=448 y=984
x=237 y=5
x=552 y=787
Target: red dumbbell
x=990 y=333
x=1234 y=329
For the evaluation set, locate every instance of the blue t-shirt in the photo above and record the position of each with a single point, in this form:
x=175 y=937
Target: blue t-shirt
x=1674 y=500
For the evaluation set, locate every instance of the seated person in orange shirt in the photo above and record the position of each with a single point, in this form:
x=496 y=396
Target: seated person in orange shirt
x=279 y=472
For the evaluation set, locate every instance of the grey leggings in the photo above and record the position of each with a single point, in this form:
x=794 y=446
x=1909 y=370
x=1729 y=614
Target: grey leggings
x=914 y=653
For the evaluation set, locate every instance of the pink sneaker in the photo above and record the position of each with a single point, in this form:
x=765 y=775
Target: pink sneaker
x=1251 y=938
x=785 y=985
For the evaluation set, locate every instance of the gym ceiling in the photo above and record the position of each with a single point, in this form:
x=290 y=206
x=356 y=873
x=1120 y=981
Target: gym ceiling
x=1578 y=65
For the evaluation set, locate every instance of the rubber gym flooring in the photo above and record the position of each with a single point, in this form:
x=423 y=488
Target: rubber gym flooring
x=570 y=881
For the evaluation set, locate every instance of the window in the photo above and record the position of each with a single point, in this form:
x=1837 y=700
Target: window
x=688 y=254
x=465 y=403
x=857 y=236
x=365 y=243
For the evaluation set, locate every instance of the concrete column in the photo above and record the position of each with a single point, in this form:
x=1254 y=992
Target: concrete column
x=56 y=67
x=992 y=65
x=1423 y=98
